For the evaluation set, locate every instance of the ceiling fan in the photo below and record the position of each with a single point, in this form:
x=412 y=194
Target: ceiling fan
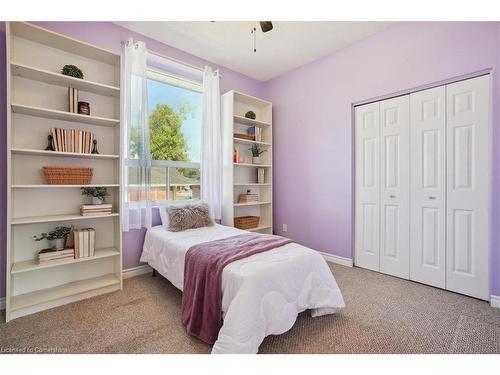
x=265 y=26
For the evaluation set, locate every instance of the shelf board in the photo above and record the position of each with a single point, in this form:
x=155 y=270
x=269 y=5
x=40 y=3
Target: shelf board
x=249 y=142
x=62 y=115
x=45 y=186
x=252 y=165
x=58 y=79
x=250 y=204
x=33 y=265
x=249 y=122
x=61 y=42
x=77 y=287
x=54 y=218
x=259 y=228
x=252 y=184
x=27 y=151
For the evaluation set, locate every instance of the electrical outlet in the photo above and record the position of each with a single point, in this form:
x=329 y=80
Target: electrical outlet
x=285 y=227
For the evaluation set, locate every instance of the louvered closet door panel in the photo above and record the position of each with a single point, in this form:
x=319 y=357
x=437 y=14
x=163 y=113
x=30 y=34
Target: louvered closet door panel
x=367 y=186
x=468 y=186
x=395 y=188
x=428 y=186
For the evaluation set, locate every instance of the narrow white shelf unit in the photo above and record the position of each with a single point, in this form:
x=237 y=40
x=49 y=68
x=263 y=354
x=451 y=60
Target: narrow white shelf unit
x=240 y=176
x=37 y=100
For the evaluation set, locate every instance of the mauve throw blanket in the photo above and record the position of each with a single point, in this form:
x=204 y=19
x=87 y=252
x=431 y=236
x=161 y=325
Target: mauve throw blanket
x=203 y=266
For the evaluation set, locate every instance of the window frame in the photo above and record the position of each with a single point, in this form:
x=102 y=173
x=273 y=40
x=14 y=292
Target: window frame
x=184 y=83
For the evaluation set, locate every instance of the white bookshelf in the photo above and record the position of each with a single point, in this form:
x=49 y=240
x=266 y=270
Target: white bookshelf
x=241 y=176
x=37 y=99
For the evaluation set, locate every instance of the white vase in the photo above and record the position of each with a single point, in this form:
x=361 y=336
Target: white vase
x=96 y=200
x=58 y=243
x=256 y=160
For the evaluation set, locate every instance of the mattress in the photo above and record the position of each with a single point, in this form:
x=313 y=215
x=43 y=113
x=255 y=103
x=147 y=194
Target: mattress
x=261 y=294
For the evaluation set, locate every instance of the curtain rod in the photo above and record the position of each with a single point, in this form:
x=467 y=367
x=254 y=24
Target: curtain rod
x=177 y=61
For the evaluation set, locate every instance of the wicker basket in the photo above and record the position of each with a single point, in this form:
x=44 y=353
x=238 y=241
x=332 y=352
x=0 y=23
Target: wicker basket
x=246 y=222
x=68 y=175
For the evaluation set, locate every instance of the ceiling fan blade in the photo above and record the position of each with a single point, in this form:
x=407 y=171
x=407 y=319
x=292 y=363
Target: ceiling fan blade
x=266 y=26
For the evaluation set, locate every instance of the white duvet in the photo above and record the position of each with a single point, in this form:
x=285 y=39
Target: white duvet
x=261 y=294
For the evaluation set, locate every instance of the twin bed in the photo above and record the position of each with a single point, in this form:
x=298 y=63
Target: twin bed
x=261 y=294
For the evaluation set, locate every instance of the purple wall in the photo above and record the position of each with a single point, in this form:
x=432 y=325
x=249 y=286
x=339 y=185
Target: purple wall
x=105 y=35
x=313 y=129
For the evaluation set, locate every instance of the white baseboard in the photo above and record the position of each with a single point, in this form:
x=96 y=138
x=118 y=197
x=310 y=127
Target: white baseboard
x=136 y=271
x=495 y=301
x=337 y=259
x=2 y=303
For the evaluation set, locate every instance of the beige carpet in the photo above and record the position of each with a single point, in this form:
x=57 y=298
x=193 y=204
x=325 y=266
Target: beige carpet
x=383 y=315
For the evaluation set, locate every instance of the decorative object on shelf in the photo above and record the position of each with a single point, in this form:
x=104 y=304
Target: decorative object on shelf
x=73 y=99
x=248 y=197
x=84 y=108
x=235 y=155
x=50 y=143
x=72 y=140
x=246 y=222
x=49 y=255
x=255 y=132
x=72 y=71
x=261 y=174
x=98 y=194
x=84 y=240
x=249 y=137
x=96 y=209
x=251 y=115
x=256 y=152
x=94 y=147
x=56 y=237
x=68 y=175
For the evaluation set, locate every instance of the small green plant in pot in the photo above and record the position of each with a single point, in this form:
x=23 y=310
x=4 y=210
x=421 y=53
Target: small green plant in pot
x=256 y=152
x=98 y=194
x=56 y=237
x=72 y=71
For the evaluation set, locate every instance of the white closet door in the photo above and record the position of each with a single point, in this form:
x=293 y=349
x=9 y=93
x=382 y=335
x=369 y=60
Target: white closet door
x=395 y=186
x=428 y=186
x=468 y=186
x=367 y=192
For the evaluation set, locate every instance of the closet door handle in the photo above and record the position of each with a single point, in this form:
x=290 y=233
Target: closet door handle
x=392 y=196
x=431 y=197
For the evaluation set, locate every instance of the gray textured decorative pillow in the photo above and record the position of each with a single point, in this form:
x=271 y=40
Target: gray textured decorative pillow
x=188 y=217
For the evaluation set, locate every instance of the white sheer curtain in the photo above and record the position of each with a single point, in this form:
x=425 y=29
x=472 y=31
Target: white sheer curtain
x=135 y=142
x=211 y=148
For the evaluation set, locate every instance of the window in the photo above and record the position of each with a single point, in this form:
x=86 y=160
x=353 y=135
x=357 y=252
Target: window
x=174 y=119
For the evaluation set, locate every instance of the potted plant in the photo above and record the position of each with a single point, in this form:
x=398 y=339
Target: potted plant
x=57 y=237
x=256 y=152
x=98 y=193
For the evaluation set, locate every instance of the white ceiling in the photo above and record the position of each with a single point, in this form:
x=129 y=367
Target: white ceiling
x=230 y=44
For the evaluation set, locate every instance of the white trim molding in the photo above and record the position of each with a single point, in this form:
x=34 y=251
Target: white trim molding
x=136 y=271
x=495 y=301
x=2 y=303
x=337 y=259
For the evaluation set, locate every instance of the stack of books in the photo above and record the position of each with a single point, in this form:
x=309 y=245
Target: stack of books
x=255 y=132
x=73 y=99
x=248 y=198
x=49 y=255
x=72 y=140
x=84 y=240
x=261 y=176
x=96 y=209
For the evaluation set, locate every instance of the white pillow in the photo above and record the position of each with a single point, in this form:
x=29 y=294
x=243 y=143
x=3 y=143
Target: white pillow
x=163 y=209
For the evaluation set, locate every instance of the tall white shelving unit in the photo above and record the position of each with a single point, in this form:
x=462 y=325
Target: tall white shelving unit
x=37 y=100
x=240 y=177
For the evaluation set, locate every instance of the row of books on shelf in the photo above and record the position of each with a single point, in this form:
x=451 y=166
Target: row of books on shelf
x=96 y=209
x=72 y=140
x=83 y=247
